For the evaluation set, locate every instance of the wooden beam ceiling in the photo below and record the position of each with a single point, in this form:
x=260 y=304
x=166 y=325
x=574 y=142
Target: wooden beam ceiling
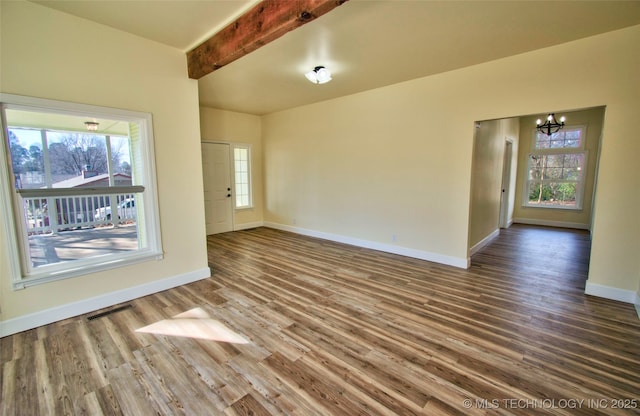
x=265 y=22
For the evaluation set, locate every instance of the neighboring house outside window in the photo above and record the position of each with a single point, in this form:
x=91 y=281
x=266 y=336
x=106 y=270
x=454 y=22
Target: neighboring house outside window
x=556 y=170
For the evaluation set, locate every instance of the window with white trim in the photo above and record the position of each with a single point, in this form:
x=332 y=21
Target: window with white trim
x=78 y=185
x=556 y=170
x=242 y=175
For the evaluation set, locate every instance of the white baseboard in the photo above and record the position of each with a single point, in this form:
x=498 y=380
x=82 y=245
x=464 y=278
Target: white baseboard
x=546 y=223
x=484 y=242
x=613 y=293
x=247 y=225
x=387 y=248
x=34 y=320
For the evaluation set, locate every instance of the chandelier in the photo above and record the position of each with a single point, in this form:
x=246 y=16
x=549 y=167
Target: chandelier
x=551 y=125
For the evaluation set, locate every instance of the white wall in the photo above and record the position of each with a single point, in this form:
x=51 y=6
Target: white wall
x=57 y=56
x=397 y=160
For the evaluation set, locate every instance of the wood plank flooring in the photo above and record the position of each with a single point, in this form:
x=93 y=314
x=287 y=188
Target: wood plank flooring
x=299 y=326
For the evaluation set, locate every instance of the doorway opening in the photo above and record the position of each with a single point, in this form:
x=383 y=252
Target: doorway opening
x=512 y=161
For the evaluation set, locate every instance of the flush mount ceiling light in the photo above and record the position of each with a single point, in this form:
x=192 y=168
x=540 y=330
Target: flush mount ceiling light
x=551 y=125
x=319 y=75
x=91 y=125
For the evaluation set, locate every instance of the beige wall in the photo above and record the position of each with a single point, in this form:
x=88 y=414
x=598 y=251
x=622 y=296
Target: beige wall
x=53 y=55
x=397 y=160
x=231 y=127
x=592 y=119
x=371 y=167
x=486 y=176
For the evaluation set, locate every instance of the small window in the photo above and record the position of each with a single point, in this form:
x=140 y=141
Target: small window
x=79 y=186
x=556 y=170
x=564 y=139
x=242 y=171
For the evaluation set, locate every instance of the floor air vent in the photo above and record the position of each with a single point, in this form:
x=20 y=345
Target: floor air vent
x=109 y=312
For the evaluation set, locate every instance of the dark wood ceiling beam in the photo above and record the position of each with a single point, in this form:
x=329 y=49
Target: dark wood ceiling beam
x=265 y=22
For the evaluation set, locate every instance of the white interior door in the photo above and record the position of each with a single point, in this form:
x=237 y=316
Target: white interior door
x=218 y=203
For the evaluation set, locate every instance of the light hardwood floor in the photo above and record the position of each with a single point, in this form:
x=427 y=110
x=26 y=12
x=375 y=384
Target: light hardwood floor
x=301 y=326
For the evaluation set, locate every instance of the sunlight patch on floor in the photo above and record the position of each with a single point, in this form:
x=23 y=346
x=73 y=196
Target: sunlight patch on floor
x=194 y=323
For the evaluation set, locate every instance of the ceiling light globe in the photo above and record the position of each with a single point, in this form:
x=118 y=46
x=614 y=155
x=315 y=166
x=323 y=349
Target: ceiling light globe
x=323 y=75
x=319 y=75
x=311 y=76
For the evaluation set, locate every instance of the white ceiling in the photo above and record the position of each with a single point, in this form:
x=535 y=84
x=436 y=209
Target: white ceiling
x=366 y=44
x=63 y=122
x=182 y=24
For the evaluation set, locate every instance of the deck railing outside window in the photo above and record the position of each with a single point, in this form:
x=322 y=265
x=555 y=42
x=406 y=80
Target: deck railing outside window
x=52 y=210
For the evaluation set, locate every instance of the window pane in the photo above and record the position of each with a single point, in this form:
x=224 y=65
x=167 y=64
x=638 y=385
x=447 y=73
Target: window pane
x=121 y=156
x=573 y=138
x=242 y=177
x=552 y=194
x=27 y=158
x=536 y=164
x=542 y=141
x=555 y=161
x=73 y=154
x=76 y=238
x=554 y=179
x=553 y=173
x=566 y=138
x=564 y=166
x=557 y=141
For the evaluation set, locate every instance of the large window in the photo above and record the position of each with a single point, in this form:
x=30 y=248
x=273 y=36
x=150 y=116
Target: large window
x=242 y=170
x=556 y=170
x=78 y=185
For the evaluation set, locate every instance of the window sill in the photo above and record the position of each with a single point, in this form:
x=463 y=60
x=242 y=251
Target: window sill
x=84 y=269
x=558 y=207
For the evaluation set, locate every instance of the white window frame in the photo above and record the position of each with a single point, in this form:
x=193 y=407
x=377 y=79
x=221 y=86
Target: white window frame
x=13 y=216
x=559 y=151
x=246 y=147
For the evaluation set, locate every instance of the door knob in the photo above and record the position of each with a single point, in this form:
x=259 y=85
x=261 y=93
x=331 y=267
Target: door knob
x=228 y=195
